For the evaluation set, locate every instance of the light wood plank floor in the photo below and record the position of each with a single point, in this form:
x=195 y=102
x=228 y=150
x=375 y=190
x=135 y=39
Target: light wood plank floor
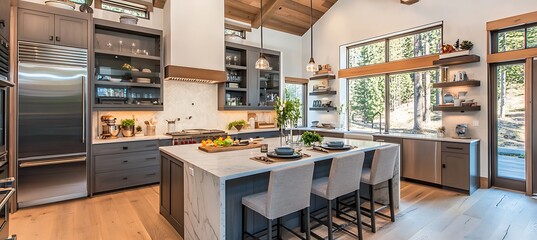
x=426 y=213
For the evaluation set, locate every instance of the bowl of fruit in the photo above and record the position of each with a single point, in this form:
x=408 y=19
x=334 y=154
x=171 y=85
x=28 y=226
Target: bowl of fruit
x=220 y=142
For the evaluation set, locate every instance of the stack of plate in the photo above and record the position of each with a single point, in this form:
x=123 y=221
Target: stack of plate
x=61 y=4
x=143 y=80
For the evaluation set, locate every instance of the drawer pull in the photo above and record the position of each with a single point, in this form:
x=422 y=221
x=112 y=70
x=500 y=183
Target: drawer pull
x=125 y=148
x=454 y=148
x=125 y=161
x=443 y=165
x=151 y=158
x=151 y=174
x=125 y=178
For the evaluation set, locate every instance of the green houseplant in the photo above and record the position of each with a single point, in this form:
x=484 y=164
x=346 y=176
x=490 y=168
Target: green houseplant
x=288 y=112
x=127 y=127
x=308 y=138
x=239 y=124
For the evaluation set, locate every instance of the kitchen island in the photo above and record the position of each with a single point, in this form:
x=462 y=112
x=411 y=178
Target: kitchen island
x=201 y=192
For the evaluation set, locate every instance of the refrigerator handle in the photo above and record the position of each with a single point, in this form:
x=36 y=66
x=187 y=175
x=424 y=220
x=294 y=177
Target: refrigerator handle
x=83 y=109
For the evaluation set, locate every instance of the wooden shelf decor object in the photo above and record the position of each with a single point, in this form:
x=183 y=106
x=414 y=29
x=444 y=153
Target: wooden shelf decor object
x=470 y=83
x=457 y=60
x=457 y=109
x=323 y=77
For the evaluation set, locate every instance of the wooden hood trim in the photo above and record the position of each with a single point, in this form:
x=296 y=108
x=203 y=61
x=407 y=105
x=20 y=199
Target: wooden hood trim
x=188 y=74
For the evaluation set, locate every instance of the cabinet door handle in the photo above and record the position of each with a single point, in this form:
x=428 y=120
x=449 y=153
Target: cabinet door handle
x=454 y=148
x=151 y=158
x=443 y=165
x=125 y=148
x=125 y=178
x=151 y=174
x=57 y=39
x=51 y=38
x=125 y=161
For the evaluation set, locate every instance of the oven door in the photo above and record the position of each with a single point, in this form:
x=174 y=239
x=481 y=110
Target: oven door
x=6 y=192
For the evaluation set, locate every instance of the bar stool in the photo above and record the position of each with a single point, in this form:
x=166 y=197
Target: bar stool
x=288 y=192
x=344 y=178
x=382 y=168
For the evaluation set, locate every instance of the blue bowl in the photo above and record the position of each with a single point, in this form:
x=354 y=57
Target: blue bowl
x=335 y=144
x=284 y=151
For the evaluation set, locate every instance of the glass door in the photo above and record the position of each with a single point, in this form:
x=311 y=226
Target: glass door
x=509 y=125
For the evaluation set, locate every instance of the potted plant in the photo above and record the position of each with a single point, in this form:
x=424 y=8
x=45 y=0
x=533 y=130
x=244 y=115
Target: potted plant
x=139 y=131
x=309 y=138
x=287 y=114
x=441 y=131
x=127 y=127
x=239 y=124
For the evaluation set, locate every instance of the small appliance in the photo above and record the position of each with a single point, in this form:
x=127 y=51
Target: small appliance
x=109 y=127
x=462 y=131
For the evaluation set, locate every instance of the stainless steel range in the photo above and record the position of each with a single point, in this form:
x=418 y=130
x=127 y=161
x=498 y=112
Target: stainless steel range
x=193 y=136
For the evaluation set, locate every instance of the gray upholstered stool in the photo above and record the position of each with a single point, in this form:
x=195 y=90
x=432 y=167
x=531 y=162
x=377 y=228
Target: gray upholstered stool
x=382 y=168
x=344 y=178
x=288 y=192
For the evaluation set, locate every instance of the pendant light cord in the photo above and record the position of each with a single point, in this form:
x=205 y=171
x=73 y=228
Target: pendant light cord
x=261 y=26
x=311 y=27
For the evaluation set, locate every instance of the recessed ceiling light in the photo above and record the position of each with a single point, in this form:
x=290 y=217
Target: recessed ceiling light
x=409 y=2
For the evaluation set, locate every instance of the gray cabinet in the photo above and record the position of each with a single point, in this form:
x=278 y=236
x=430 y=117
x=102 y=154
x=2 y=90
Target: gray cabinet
x=48 y=28
x=460 y=166
x=5 y=10
x=172 y=192
x=121 y=165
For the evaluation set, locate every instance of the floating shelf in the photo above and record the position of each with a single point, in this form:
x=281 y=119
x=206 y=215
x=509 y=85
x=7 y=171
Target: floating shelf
x=457 y=60
x=130 y=55
x=236 y=89
x=328 y=109
x=323 y=93
x=236 y=67
x=270 y=71
x=457 y=109
x=323 y=76
x=127 y=84
x=470 y=83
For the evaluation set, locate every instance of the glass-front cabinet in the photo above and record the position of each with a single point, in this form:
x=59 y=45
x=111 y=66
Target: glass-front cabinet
x=247 y=88
x=128 y=67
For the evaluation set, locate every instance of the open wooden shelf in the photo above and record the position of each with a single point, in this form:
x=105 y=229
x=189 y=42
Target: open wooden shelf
x=236 y=89
x=457 y=109
x=457 y=60
x=124 y=54
x=236 y=67
x=323 y=93
x=470 y=83
x=328 y=109
x=323 y=76
x=127 y=84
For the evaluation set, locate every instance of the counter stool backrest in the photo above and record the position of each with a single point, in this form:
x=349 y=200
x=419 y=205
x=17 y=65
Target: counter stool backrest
x=289 y=190
x=345 y=174
x=383 y=164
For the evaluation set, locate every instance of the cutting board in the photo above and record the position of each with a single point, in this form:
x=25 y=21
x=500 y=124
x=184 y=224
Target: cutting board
x=212 y=149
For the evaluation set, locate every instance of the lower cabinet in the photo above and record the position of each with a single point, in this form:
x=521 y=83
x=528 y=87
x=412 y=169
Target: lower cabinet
x=172 y=192
x=460 y=166
x=121 y=165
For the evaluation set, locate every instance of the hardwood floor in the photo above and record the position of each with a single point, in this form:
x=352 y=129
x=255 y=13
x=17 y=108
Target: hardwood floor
x=425 y=213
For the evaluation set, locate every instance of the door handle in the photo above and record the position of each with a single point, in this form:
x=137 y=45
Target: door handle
x=83 y=110
x=58 y=39
x=125 y=161
x=2 y=23
x=443 y=165
x=51 y=38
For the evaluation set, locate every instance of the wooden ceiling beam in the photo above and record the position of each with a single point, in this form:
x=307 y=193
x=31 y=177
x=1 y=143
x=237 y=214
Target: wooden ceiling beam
x=303 y=9
x=269 y=9
x=159 y=3
x=285 y=27
x=238 y=14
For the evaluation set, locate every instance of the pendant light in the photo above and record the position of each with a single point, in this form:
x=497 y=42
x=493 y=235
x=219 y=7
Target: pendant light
x=312 y=66
x=262 y=62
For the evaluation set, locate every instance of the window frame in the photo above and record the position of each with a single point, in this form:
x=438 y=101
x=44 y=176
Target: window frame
x=304 y=102
x=148 y=6
x=494 y=37
x=387 y=38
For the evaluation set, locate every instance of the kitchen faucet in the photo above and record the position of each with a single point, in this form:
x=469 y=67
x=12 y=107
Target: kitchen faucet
x=380 y=121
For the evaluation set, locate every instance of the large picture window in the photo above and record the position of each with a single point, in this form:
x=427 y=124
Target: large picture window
x=514 y=39
x=298 y=91
x=367 y=103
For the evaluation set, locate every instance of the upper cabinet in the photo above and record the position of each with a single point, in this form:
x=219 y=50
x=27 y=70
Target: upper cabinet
x=48 y=28
x=4 y=19
x=248 y=88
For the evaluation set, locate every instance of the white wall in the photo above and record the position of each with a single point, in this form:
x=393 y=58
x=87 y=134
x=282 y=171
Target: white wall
x=354 y=20
x=155 y=21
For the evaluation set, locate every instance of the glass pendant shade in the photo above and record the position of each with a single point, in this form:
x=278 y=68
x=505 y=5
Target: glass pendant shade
x=312 y=66
x=262 y=63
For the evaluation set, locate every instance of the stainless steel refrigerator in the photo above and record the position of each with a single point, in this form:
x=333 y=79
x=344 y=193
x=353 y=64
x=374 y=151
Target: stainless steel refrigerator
x=52 y=113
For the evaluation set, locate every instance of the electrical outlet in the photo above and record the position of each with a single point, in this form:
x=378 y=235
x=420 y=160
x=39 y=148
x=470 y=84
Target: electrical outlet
x=476 y=123
x=191 y=171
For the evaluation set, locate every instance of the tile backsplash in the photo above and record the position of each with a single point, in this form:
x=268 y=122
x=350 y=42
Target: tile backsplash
x=194 y=103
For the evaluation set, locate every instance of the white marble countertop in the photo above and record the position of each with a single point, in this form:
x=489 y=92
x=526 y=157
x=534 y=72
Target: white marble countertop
x=428 y=137
x=236 y=164
x=234 y=131
x=130 y=139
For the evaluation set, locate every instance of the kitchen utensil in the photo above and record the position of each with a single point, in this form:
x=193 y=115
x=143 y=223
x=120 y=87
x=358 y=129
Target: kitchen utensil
x=127 y=19
x=116 y=80
x=335 y=144
x=448 y=98
x=292 y=156
x=146 y=70
x=61 y=4
x=344 y=147
x=284 y=151
x=109 y=127
x=150 y=130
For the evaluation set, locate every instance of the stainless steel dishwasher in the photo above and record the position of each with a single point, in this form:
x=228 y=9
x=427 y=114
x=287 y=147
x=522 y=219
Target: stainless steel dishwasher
x=422 y=160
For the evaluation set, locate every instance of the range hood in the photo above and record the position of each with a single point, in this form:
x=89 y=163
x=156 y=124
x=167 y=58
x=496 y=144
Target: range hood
x=199 y=75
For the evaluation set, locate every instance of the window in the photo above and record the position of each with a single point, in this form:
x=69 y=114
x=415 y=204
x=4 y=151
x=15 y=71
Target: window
x=298 y=91
x=514 y=39
x=78 y=1
x=411 y=101
x=410 y=44
x=366 y=103
x=367 y=54
x=416 y=45
x=124 y=7
x=235 y=33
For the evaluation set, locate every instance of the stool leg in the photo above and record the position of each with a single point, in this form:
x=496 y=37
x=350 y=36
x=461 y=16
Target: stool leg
x=269 y=229
x=244 y=223
x=358 y=214
x=330 y=233
x=302 y=222
x=390 y=192
x=372 y=206
x=279 y=228
x=338 y=210
x=308 y=228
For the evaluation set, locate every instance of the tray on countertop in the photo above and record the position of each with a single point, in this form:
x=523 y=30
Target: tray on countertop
x=212 y=149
